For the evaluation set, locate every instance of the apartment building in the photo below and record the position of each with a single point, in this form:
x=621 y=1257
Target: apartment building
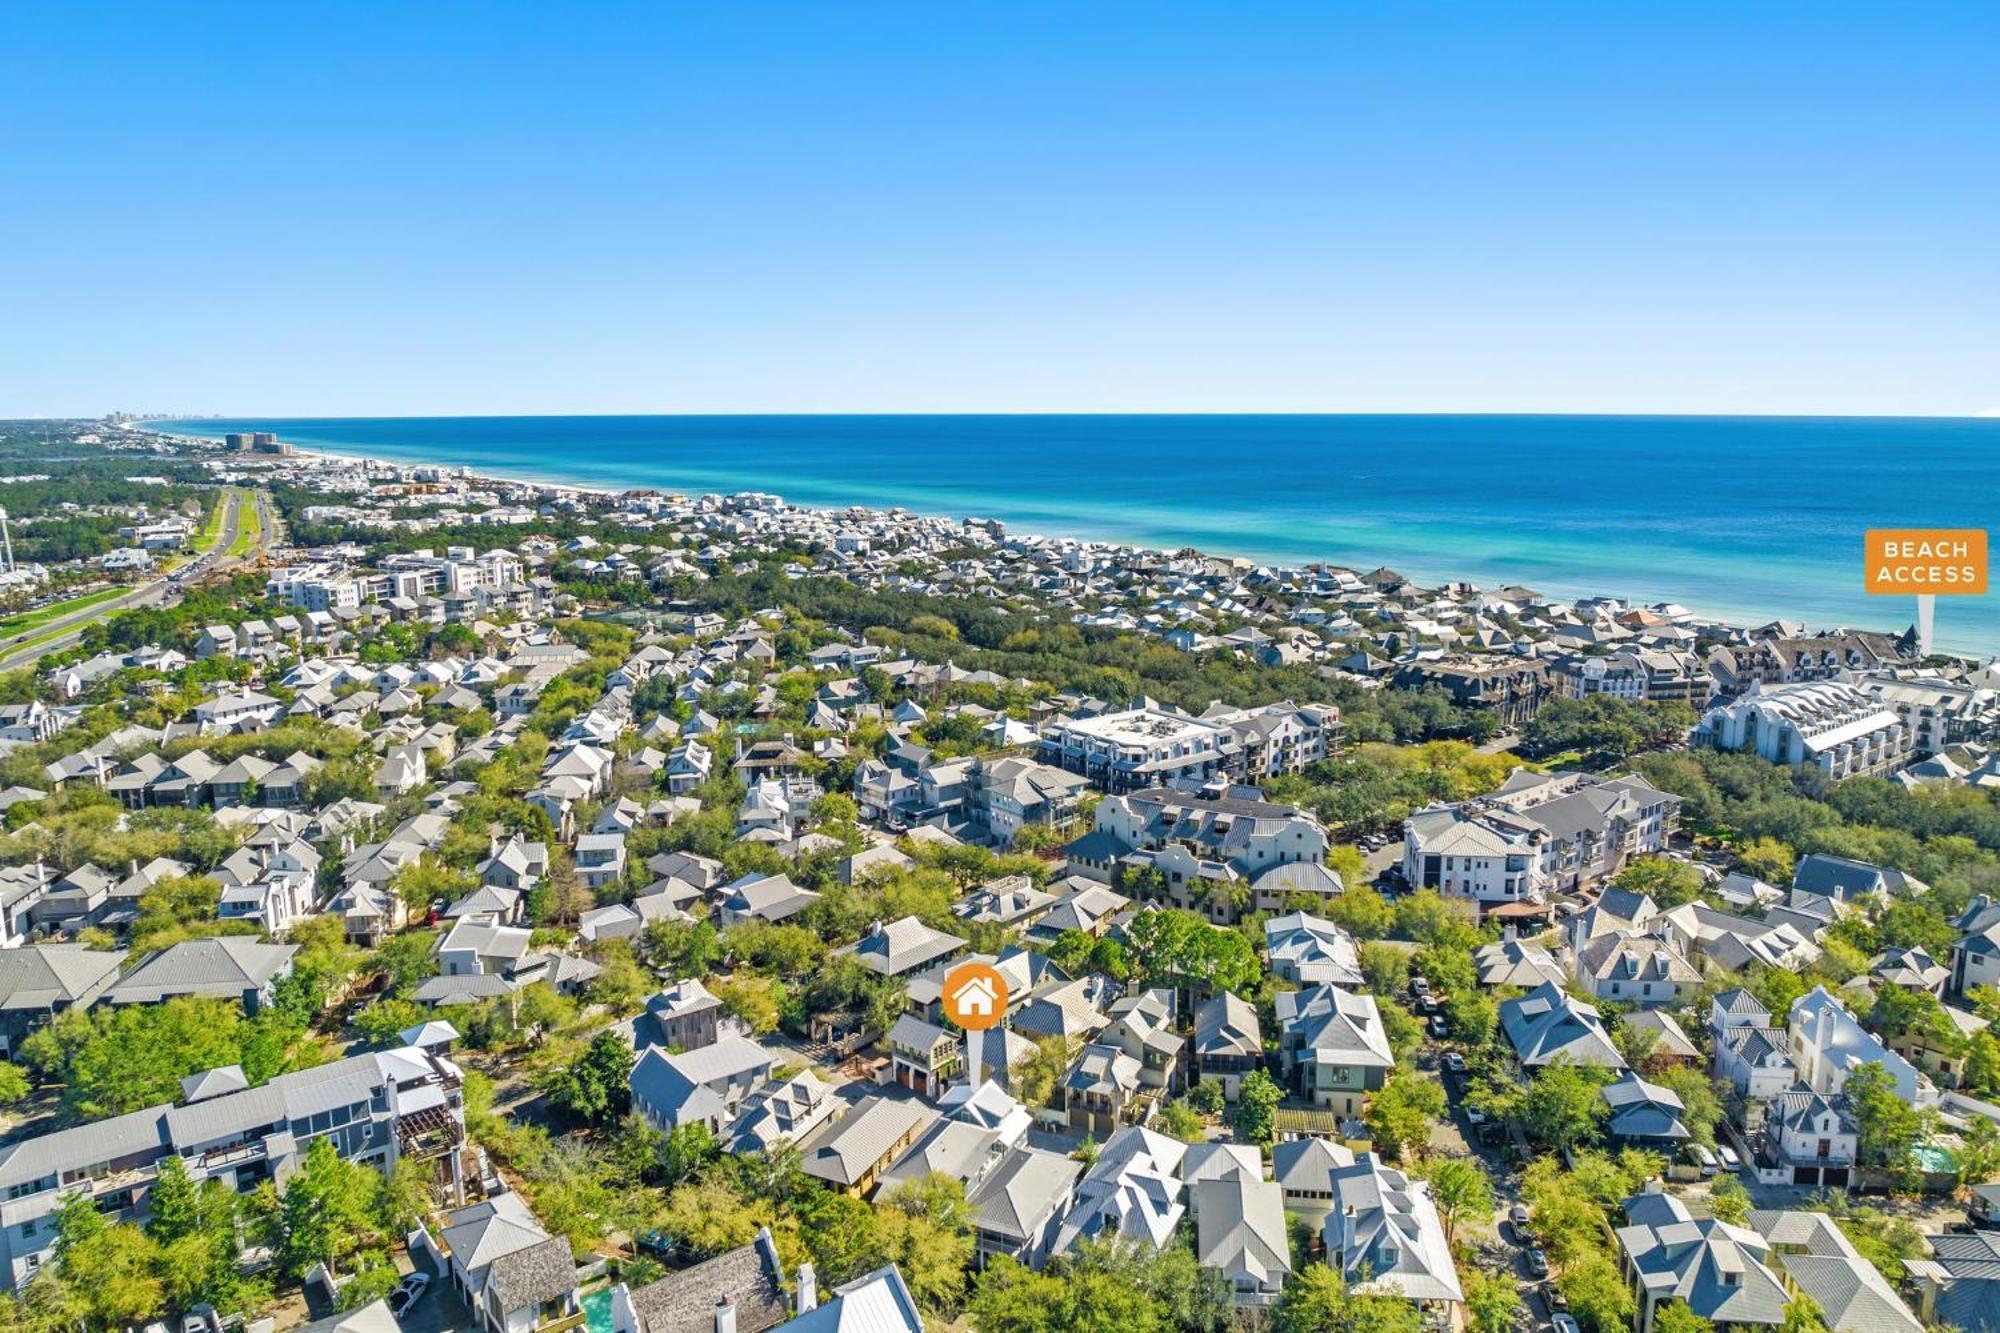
x=1538 y=834
x=1825 y=725
x=378 y=1109
x=1140 y=748
x=1512 y=688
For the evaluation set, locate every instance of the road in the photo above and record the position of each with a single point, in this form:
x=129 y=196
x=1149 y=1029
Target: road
x=60 y=634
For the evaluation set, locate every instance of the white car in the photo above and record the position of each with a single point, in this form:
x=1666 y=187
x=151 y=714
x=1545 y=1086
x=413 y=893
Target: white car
x=408 y=1292
x=1727 y=1155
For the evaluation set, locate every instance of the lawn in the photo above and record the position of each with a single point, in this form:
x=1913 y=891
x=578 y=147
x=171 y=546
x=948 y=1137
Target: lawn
x=252 y=528
x=42 y=615
x=211 y=532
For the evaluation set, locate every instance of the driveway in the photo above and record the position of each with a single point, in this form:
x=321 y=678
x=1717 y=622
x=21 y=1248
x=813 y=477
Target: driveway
x=440 y=1311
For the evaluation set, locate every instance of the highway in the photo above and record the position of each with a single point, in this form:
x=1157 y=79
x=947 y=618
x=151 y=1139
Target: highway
x=60 y=634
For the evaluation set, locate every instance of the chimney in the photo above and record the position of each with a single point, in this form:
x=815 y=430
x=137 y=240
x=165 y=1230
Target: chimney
x=725 y=1316
x=808 y=1283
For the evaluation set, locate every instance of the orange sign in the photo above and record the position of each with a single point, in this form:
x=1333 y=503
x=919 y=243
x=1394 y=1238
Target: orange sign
x=1942 y=561
x=975 y=996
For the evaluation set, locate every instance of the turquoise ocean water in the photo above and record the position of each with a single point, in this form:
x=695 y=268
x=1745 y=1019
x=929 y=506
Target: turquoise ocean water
x=1752 y=518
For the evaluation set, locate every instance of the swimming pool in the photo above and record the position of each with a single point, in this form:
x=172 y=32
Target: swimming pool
x=597 y=1310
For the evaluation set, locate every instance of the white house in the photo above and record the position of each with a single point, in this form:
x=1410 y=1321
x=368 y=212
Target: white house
x=1828 y=1043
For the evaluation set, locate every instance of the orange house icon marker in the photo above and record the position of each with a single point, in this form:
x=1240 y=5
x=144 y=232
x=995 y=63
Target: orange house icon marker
x=975 y=996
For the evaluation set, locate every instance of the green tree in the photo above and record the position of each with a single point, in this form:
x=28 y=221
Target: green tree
x=1257 y=1099
x=1362 y=912
x=1676 y=1317
x=1459 y=1188
x=1013 y=1298
x=1491 y=1302
x=924 y=1229
x=1318 y=1300
x=1889 y=1126
x=117 y=1272
x=383 y=1022
x=1729 y=1200
x=1386 y=969
x=622 y=986
x=1701 y=1108
x=1802 y=1315
x=407 y=960
x=755 y=1001
x=1034 y=1076
x=1179 y=1120
x=77 y=1221
x=595 y=1089
x=684 y=1151
x=1401 y=1114
x=1596 y=1291
x=326 y=1210
x=1667 y=881
x=1562 y=1107
x=1766 y=859
x=173 y=1202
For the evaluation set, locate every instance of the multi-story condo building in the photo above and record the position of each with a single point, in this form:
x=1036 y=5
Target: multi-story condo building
x=1140 y=748
x=1537 y=834
x=1649 y=675
x=1793 y=661
x=1513 y=688
x=1824 y=725
x=1278 y=738
x=377 y=1109
x=1936 y=712
x=1214 y=853
x=326 y=585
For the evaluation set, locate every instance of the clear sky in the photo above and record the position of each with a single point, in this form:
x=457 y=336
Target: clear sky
x=385 y=209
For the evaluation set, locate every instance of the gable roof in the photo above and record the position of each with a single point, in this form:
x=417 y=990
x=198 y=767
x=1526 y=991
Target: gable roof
x=750 y=1276
x=42 y=976
x=227 y=966
x=1548 y=1022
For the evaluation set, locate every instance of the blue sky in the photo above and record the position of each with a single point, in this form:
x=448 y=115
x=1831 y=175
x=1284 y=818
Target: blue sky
x=437 y=208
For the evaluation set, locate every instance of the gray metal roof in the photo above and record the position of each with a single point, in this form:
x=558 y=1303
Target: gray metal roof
x=225 y=966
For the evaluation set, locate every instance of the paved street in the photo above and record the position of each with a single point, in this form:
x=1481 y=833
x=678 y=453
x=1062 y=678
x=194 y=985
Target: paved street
x=166 y=588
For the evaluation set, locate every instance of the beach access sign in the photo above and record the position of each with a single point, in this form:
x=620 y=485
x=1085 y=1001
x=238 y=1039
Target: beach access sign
x=1929 y=562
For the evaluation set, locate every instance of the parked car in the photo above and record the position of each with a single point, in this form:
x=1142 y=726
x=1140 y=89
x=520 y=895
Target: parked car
x=1454 y=1062
x=1439 y=1028
x=408 y=1292
x=1518 y=1215
x=1701 y=1157
x=1420 y=985
x=1727 y=1154
x=1564 y=1323
x=1538 y=1263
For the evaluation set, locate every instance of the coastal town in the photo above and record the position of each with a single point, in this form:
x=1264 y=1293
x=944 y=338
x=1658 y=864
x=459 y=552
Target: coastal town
x=431 y=901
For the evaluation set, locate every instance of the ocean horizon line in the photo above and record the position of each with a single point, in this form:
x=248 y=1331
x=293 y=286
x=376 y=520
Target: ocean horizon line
x=1731 y=522
x=1984 y=415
